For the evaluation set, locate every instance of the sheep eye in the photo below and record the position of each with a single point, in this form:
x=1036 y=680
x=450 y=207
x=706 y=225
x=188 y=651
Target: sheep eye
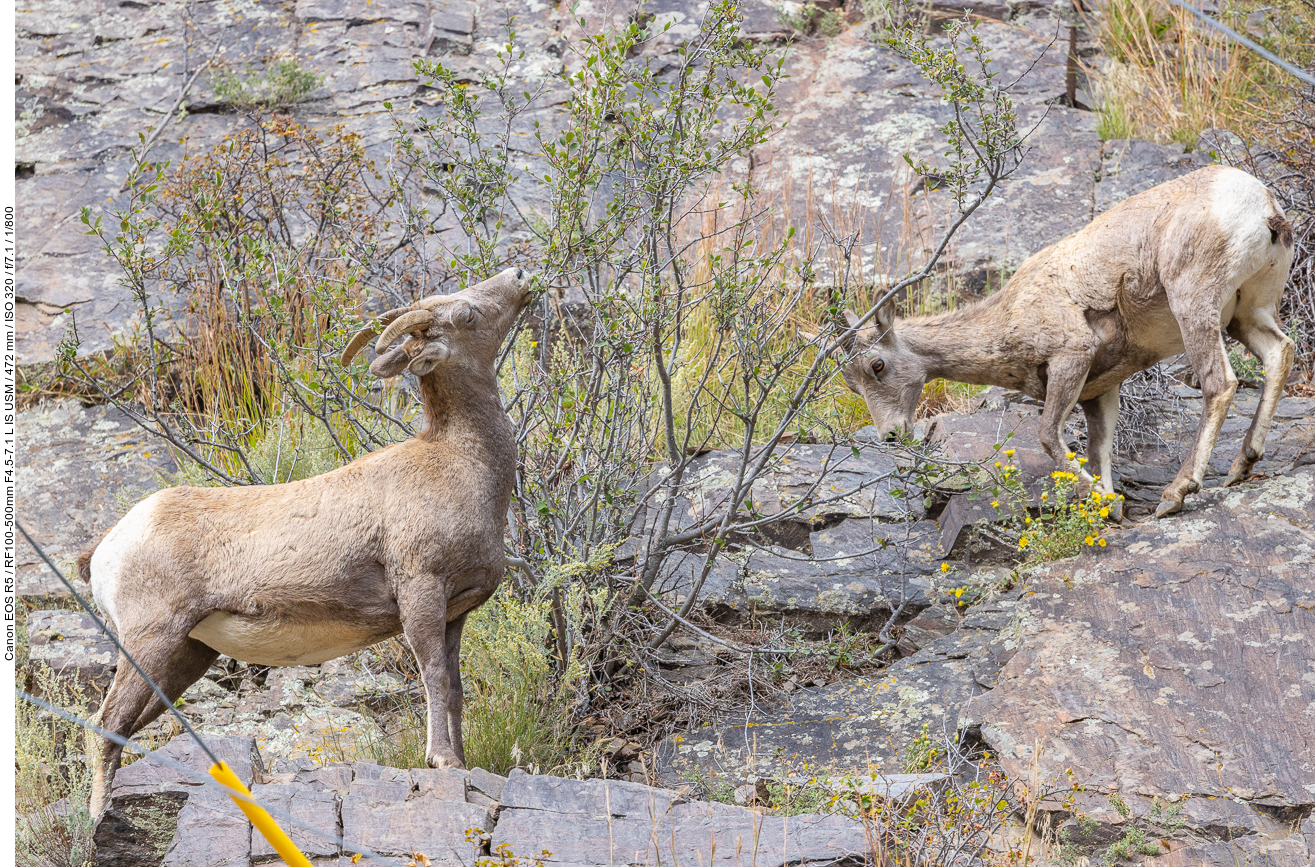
x=878 y=366
x=470 y=316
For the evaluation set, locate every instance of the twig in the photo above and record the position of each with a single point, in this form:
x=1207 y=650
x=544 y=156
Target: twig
x=155 y=133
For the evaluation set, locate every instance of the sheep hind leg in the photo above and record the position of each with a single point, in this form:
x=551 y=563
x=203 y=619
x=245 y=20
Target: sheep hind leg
x=1258 y=331
x=1102 y=414
x=188 y=666
x=1205 y=349
x=131 y=704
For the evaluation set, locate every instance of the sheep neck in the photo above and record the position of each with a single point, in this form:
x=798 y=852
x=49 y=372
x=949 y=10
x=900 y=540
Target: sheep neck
x=965 y=345
x=461 y=406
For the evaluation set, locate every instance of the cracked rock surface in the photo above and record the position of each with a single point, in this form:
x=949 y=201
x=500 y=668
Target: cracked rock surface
x=1179 y=665
x=160 y=815
x=92 y=77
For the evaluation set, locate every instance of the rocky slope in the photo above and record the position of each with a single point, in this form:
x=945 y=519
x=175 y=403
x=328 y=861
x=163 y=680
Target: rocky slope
x=1172 y=670
x=94 y=80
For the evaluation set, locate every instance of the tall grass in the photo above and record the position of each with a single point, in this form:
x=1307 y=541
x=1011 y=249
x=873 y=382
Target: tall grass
x=53 y=778
x=517 y=710
x=1166 y=77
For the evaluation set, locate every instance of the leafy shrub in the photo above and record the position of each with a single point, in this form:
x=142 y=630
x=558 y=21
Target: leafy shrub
x=283 y=84
x=812 y=20
x=247 y=264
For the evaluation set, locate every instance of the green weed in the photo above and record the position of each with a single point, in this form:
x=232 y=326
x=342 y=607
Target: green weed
x=283 y=84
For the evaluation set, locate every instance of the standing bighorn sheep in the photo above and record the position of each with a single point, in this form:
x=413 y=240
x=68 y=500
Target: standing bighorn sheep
x=407 y=539
x=1160 y=273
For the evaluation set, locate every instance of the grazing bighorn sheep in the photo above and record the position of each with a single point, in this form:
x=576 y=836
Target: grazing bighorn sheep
x=407 y=539
x=1162 y=272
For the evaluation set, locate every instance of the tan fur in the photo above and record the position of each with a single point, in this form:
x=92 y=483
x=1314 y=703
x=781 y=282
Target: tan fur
x=1160 y=273
x=407 y=539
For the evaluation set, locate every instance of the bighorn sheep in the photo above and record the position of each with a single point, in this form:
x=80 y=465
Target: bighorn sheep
x=1162 y=272
x=407 y=539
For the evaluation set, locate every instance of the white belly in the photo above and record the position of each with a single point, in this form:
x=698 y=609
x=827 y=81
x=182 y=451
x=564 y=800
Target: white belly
x=276 y=642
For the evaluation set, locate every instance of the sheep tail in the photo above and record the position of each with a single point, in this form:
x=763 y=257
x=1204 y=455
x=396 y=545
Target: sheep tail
x=84 y=563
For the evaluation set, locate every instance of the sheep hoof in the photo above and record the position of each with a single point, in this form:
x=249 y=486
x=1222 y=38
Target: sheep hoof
x=1116 y=511
x=1234 y=477
x=1167 y=507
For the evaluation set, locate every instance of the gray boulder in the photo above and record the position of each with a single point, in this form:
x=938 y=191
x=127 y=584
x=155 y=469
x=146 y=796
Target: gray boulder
x=1175 y=665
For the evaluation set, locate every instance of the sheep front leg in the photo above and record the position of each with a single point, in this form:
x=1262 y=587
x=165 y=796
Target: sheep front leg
x=1065 y=377
x=456 y=698
x=1258 y=331
x=425 y=623
x=1102 y=414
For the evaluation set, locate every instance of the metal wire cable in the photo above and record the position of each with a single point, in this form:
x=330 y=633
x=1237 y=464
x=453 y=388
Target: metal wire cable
x=200 y=776
x=168 y=702
x=1242 y=40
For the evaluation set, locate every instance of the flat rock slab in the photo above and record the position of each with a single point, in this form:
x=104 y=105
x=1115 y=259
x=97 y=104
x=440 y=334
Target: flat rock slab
x=159 y=816
x=1179 y=661
x=858 y=572
x=71 y=644
x=597 y=822
x=78 y=469
x=858 y=725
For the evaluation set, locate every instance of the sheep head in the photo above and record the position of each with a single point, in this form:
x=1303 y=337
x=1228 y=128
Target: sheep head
x=442 y=329
x=883 y=371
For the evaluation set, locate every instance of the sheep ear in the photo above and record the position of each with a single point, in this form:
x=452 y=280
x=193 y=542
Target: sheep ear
x=391 y=363
x=851 y=318
x=807 y=336
x=429 y=358
x=885 y=318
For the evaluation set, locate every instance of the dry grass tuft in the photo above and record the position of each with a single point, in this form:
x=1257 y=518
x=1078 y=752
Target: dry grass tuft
x=1166 y=77
x=53 y=780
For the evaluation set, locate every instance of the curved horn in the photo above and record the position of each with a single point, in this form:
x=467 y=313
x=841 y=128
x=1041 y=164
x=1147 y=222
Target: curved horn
x=390 y=363
x=388 y=317
x=357 y=343
x=412 y=320
x=429 y=358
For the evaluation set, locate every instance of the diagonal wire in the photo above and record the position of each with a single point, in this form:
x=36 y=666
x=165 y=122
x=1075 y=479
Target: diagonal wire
x=200 y=776
x=1242 y=40
x=168 y=702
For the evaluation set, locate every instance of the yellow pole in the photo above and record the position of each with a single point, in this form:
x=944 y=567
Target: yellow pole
x=262 y=821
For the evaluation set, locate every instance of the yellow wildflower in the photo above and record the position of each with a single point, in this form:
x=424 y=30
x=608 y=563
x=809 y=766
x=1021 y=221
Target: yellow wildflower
x=1027 y=520
x=1044 y=496
x=1022 y=542
x=995 y=504
x=1009 y=453
x=1082 y=460
x=1105 y=512
x=1101 y=542
x=945 y=567
x=1071 y=455
x=997 y=463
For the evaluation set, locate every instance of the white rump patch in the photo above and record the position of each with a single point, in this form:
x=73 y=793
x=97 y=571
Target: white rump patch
x=107 y=578
x=1241 y=209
